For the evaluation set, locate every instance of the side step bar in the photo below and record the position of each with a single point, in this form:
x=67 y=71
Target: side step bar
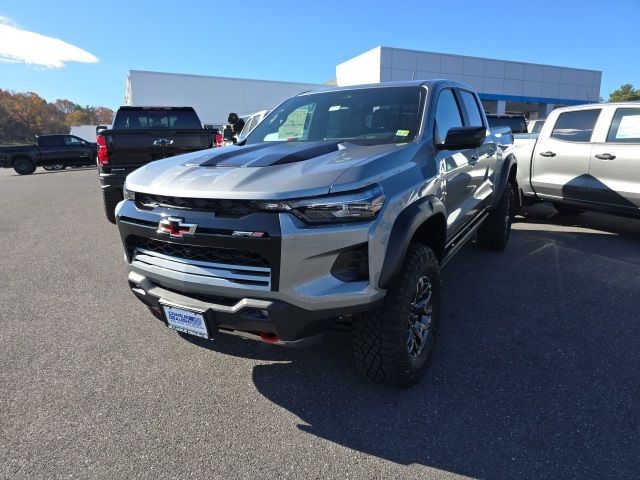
x=460 y=239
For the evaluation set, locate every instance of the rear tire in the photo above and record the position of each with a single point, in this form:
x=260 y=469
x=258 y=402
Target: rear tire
x=24 y=166
x=110 y=199
x=567 y=209
x=393 y=343
x=494 y=232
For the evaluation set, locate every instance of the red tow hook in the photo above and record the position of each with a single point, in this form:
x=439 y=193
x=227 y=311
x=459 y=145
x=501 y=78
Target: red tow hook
x=269 y=337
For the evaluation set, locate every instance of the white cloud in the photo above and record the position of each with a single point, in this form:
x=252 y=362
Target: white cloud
x=21 y=46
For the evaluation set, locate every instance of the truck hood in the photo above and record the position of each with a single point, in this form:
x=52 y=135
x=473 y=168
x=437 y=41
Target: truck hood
x=273 y=171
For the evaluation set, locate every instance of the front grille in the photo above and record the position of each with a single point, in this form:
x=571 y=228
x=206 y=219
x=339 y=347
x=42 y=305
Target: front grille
x=224 y=267
x=222 y=207
x=205 y=254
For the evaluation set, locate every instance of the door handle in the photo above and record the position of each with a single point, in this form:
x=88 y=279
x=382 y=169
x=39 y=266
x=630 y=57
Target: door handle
x=606 y=156
x=548 y=154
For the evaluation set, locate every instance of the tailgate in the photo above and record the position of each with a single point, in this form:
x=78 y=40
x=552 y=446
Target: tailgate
x=133 y=148
x=185 y=141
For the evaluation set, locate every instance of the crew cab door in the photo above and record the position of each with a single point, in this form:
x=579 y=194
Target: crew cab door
x=484 y=162
x=615 y=161
x=456 y=166
x=560 y=163
x=77 y=150
x=52 y=149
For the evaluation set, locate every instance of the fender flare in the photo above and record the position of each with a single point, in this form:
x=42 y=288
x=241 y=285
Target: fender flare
x=404 y=227
x=505 y=169
x=18 y=156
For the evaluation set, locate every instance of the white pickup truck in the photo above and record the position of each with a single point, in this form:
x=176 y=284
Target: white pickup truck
x=585 y=158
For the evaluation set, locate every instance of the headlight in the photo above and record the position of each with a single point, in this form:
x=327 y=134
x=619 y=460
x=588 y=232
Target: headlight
x=128 y=194
x=345 y=207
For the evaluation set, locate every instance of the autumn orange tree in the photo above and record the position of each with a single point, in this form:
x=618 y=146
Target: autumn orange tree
x=23 y=116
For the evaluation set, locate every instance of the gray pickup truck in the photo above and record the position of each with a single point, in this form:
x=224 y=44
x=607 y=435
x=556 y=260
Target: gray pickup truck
x=340 y=203
x=585 y=158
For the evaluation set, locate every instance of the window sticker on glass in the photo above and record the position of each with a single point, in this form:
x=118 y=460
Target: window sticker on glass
x=629 y=127
x=402 y=133
x=333 y=108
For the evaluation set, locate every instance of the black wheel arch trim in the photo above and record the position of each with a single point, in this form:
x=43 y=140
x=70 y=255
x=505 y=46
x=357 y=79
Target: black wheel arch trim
x=403 y=230
x=22 y=156
x=505 y=171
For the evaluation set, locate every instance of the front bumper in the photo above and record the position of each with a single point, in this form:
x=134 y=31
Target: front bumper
x=294 y=283
x=246 y=317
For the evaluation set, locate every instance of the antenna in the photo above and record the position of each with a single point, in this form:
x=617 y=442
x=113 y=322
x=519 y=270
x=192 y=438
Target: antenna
x=415 y=67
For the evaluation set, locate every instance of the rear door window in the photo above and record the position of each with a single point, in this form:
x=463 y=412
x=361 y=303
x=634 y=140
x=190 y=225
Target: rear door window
x=625 y=126
x=576 y=126
x=471 y=106
x=51 y=141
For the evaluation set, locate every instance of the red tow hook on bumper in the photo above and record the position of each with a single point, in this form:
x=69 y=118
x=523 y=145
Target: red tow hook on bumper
x=269 y=337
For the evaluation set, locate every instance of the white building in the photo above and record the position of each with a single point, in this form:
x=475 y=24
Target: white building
x=212 y=97
x=504 y=86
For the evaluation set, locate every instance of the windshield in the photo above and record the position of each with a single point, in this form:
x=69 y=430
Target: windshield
x=537 y=126
x=370 y=116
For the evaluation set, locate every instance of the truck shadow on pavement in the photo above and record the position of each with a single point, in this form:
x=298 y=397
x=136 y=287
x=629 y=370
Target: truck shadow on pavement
x=536 y=373
x=48 y=172
x=544 y=213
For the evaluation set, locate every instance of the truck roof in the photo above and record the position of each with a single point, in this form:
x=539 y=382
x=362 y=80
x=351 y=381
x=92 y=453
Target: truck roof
x=152 y=107
x=600 y=104
x=407 y=83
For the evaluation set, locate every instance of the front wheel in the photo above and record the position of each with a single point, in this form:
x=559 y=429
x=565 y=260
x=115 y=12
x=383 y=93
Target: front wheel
x=392 y=343
x=494 y=232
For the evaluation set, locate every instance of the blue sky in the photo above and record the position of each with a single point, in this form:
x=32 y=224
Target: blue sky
x=300 y=41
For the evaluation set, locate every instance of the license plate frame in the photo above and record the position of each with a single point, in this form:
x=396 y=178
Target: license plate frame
x=185 y=320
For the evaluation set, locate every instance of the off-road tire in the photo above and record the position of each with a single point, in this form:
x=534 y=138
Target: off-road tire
x=567 y=209
x=380 y=336
x=110 y=199
x=494 y=232
x=23 y=166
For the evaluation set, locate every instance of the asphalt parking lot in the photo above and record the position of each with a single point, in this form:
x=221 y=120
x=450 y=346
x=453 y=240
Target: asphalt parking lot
x=536 y=375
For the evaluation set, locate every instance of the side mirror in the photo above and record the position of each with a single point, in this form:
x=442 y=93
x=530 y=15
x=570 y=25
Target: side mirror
x=461 y=138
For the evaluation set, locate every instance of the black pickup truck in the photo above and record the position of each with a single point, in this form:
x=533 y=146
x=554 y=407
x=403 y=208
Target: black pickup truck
x=141 y=135
x=52 y=152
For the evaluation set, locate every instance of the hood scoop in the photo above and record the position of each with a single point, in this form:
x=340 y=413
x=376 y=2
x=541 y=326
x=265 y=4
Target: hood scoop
x=269 y=154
